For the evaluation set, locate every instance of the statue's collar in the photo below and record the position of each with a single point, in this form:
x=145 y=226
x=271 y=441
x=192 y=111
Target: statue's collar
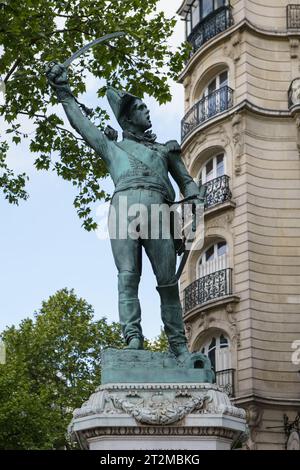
x=146 y=138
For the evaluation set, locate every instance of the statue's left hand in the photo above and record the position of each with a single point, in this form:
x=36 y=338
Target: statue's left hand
x=199 y=199
x=111 y=133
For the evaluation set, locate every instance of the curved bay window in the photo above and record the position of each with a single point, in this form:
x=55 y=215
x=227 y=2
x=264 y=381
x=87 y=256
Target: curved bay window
x=217 y=349
x=214 y=168
x=215 y=258
x=214 y=280
x=205 y=19
x=216 y=182
x=216 y=98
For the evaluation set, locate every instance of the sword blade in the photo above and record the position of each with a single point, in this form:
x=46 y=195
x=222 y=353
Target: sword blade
x=107 y=37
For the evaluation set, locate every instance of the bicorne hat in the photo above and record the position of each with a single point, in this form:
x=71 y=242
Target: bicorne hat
x=119 y=102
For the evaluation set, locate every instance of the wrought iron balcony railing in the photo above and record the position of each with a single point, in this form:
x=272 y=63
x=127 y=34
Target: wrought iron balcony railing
x=213 y=24
x=212 y=104
x=225 y=380
x=217 y=191
x=293 y=16
x=210 y=287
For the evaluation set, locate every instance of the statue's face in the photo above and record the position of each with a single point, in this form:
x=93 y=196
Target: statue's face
x=140 y=116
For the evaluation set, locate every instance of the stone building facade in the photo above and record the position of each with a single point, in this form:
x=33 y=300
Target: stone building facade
x=241 y=138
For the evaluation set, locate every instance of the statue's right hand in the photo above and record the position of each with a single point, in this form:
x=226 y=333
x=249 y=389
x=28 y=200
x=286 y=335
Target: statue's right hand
x=56 y=73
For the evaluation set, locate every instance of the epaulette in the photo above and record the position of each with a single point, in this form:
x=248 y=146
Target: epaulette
x=173 y=146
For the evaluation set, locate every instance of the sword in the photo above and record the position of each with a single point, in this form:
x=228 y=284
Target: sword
x=183 y=250
x=83 y=49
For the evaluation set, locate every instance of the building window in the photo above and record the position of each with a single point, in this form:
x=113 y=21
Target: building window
x=214 y=168
x=214 y=277
x=216 y=182
x=293 y=16
x=217 y=349
x=216 y=98
x=199 y=10
x=205 y=19
x=215 y=258
x=213 y=95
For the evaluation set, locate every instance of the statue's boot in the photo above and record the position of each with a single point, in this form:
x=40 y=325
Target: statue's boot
x=171 y=314
x=135 y=342
x=130 y=310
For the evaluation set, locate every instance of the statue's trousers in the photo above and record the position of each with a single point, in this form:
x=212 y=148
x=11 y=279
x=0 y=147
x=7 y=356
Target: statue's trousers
x=140 y=218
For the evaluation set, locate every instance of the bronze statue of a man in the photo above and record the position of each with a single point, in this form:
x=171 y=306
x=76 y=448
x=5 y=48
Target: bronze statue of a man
x=139 y=167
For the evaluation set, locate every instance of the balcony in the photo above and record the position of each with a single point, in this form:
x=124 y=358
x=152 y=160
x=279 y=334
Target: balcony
x=208 y=107
x=217 y=191
x=225 y=380
x=213 y=286
x=213 y=24
x=293 y=16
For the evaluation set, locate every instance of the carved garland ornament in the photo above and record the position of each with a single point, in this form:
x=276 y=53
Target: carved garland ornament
x=159 y=413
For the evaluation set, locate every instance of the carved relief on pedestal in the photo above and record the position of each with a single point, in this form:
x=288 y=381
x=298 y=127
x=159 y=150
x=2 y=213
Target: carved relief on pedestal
x=238 y=141
x=159 y=409
x=157 y=404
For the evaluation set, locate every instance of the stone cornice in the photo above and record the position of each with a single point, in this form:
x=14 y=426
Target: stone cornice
x=211 y=304
x=243 y=24
x=183 y=4
x=219 y=208
x=271 y=401
x=158 y=386
x=158 y=431
x=243 y=105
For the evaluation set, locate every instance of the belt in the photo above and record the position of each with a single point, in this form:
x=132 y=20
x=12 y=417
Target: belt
x=141 y=186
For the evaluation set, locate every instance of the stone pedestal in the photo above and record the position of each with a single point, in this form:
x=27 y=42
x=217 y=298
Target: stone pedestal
x=182 y=415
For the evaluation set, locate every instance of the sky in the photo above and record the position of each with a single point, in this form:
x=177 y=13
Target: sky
x=43 y=246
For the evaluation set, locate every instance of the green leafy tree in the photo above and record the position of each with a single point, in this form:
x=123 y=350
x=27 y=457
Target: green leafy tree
x=159 y=344
x=35 y=32
x=53 y=365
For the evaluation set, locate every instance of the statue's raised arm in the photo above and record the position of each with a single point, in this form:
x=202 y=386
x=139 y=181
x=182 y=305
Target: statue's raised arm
x=58 y=78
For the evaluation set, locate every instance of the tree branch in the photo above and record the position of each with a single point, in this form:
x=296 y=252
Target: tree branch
x=43 y=116
x=35 y=40
x=13 y=68
x=70 y=132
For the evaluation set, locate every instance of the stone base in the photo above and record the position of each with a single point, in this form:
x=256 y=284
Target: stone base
x=156 y=417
